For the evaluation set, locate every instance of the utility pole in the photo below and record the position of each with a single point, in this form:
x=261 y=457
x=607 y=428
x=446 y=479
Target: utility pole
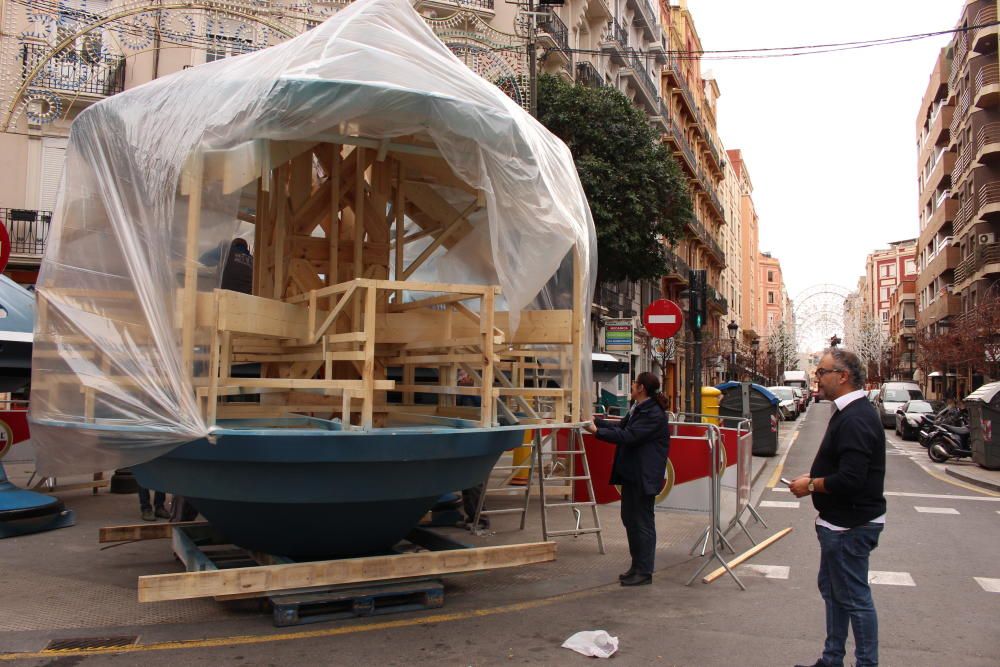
x=696 y=319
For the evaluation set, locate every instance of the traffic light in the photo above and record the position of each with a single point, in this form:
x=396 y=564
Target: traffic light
x=696 y=299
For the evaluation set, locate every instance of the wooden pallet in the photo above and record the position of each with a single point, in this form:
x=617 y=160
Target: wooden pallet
x=332 y=604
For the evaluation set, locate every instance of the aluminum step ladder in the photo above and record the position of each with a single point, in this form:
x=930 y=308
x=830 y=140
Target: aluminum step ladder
x=507 y=487
x=577 y=457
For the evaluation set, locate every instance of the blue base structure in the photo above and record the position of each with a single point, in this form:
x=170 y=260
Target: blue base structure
x=304 y=488
x=25 y=512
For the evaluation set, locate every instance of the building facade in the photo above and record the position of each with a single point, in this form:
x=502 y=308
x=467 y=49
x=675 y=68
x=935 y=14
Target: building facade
x=884 y=271
x=974 y=135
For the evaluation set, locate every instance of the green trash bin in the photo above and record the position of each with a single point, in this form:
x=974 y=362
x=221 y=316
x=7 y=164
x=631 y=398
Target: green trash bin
x=984 y=425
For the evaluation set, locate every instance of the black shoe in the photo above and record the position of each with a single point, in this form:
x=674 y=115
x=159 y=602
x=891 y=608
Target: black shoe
x=637 y=579
x=161 y=513
x=625 y=575
x=818 y=663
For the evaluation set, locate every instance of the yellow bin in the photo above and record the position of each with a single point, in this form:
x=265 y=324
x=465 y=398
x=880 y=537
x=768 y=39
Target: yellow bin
x=710 y=398
x=521 y=456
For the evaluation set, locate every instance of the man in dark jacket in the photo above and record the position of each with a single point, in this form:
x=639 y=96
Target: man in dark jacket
x=642 y=438
x=846 y=483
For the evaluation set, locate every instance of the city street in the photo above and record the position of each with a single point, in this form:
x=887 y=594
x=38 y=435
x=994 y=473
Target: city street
x=936 y=584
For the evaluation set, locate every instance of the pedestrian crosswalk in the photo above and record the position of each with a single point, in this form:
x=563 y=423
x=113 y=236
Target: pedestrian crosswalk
x=875 y=577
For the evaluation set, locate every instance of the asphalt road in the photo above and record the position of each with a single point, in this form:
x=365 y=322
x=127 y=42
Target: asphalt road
x=932 y=610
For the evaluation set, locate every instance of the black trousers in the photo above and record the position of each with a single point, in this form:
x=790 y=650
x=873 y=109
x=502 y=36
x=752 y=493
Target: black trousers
x=640 y=527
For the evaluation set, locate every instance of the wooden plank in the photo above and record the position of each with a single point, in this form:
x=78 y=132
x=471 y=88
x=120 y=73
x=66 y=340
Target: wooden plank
x=368 y=371
x=746 y=555
x=359 y=223
x=189 y=300
x=581 y=313
x=486 y=319
x=142 y=531
x=333 y=234
x=274 y=578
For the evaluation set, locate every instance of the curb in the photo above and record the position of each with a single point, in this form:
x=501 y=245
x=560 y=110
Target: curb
x=970 y=479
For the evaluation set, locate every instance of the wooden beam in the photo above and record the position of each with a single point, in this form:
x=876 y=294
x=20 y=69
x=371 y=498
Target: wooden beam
x=273 y=578
x=142 y=531
x=746 y=555
x=194 y=176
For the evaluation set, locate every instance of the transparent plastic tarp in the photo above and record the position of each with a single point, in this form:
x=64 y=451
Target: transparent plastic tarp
x=109 y=387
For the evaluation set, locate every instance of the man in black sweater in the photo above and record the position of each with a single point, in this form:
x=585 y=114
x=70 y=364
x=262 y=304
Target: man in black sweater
x=846 y=483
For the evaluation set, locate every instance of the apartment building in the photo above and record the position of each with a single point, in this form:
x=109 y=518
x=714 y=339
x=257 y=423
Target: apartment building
x=937 y=251
x=903 y=328
x=974 y=135
x=771 y=306
x=749 y=258
x=884 y=270
x=731 y=280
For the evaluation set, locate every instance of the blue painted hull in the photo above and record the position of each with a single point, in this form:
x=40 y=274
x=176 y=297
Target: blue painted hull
x=317 y=492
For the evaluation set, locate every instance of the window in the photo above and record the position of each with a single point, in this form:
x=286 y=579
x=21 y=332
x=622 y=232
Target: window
x=909 y=267
x=885 y=315
x=884 y=293
x=222 y=46
x=770 y=276
x=770 y=297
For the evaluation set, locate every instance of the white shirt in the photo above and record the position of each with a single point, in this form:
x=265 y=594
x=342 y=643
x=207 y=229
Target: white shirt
x=840 y=404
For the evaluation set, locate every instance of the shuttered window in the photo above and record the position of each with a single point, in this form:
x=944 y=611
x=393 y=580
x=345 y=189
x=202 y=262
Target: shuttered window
x=53 y=157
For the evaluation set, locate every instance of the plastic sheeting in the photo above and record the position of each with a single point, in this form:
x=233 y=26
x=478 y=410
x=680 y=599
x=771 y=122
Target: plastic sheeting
x=115 y=256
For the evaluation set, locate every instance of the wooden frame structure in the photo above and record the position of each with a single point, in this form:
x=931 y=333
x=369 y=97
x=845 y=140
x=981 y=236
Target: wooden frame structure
x=334 y=219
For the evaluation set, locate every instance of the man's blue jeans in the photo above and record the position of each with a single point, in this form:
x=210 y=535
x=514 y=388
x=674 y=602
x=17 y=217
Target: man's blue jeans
x=843 y=583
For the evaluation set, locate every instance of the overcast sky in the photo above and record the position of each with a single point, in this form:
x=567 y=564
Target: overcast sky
x=829 y=139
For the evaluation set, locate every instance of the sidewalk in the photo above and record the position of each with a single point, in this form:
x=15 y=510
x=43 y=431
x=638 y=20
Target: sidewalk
x=972 y=473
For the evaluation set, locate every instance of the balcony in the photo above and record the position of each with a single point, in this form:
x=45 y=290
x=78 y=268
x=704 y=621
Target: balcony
x=28 y=230
x=979 y=259
x=80 y=74
x=958 y=59
x=940 y=126
x=657 y=47
x=946 y=305
x=661 y=119
x=942 y=169
x=946 y=259
x=682 y=146
x=679 y=82
x=700 y=233
x=962 y=165
x=987 y=141
x=944 y=213
x=988 y=200
x=710 y=194
x=635 y=69
x=554 y=36
x=587 y=75
x=677 y=268
x=643 y=16
x=958 y=117
x=598 y=10
x=964 y=216
x=984 y=40
x=716 y=300
x=987 y=86
x=614 y=42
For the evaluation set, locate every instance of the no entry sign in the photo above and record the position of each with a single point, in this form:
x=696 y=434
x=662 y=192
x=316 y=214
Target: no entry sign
x=663 y=319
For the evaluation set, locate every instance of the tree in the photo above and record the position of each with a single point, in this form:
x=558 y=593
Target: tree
x=636 y=191
x=781 y=344
x=872 y=346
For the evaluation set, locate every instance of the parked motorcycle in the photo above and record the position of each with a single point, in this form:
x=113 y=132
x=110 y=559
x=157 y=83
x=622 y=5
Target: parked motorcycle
x=948 y=416
x=949 y=442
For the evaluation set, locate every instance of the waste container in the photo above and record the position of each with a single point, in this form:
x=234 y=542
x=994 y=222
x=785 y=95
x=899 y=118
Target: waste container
x=746 y=400
x=984 y=425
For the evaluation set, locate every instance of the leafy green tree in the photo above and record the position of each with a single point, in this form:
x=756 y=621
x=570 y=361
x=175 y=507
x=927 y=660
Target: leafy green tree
x=636 y=191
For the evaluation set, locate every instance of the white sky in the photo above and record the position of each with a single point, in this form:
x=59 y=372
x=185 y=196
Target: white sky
x=829 y=139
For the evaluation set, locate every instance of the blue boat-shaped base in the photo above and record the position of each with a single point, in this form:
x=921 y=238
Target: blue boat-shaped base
x=305 y=489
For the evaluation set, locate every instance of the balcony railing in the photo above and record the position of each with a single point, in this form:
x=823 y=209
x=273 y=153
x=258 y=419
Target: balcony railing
x=615 y=33
x=962 y=164
x=638 y=68
x=706 y=239
x=958 y=58
x=554 y=26
x=28 y=230
x=984 y=17
x=988 y=75
x=989 y=134
x=987 y=196
x=988 y=253
x=716 y=299
x=964 y=216
x=675 y=265
x=587 y=75
x=684 y=147
x=76 y=72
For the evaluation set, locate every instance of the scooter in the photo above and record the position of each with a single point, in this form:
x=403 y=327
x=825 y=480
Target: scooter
x=928 y=424
x=949 y=442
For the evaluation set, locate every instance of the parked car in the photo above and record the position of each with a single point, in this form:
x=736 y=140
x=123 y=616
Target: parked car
x=786 y=405
x=800 y=399
x=910 y=416
x=891 y=397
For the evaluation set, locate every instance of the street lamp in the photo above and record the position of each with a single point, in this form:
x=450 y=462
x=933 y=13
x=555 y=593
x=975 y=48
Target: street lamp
x=733 y=328
x=755 y=346
x=911 y=346
x=835 y=341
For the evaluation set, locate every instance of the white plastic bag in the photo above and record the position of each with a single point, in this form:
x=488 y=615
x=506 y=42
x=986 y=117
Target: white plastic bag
x=593 y=643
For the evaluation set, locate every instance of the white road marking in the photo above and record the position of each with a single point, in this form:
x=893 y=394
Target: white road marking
x=779 y=503
x=936 y=510
x=890 y=578
x=767 y=571
x=988 y=585
x=942 y=496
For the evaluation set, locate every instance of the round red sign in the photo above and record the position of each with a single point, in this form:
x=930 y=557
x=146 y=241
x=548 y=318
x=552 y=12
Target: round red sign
x=663 y=318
